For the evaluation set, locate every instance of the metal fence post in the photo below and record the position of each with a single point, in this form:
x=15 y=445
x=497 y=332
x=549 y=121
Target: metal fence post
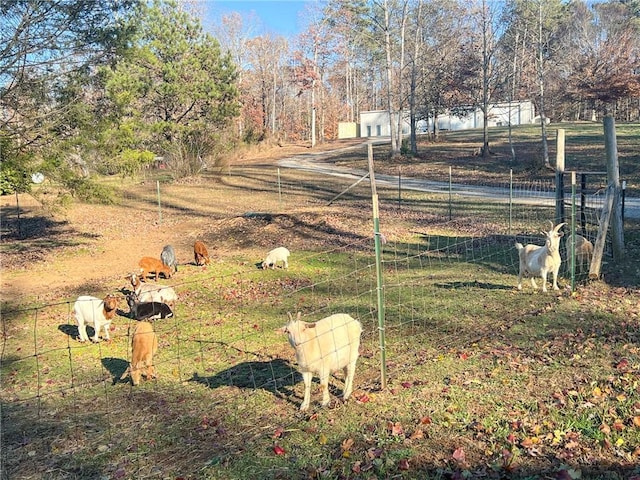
x=380 y=284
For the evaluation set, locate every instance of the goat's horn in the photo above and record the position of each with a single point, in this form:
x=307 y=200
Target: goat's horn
x=551 y=224
x=559 y=226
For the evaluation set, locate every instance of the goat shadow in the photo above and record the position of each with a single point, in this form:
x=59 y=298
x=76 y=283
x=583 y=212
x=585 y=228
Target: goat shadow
x=473 y=284
x=277 y=376
x=116 y=367
x=72 y=330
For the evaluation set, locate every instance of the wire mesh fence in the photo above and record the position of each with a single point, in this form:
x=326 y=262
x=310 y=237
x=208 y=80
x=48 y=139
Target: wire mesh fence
x=222 y=349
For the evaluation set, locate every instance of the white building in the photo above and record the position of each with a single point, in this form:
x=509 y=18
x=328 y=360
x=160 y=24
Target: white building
x=376 y=123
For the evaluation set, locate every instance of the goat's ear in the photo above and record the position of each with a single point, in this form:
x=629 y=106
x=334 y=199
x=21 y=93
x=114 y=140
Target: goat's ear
x=299 y=315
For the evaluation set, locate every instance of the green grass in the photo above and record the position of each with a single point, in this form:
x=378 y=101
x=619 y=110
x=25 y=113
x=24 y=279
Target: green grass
x=483 y=381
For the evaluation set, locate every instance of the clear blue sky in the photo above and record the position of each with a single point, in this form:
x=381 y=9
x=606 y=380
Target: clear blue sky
x=280 y=17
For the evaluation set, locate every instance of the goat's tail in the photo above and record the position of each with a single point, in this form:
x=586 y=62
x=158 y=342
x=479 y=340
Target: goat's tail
x=519 y=246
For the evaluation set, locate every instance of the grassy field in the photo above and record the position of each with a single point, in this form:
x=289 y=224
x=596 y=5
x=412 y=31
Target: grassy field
x=482 y=381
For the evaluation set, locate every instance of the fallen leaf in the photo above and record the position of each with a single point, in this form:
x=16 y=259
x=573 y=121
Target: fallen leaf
x=278 y=432
x=459 y=456
x=347 y=444
x=636 y=421
x=278 y=450
x=417 y=434
x=364 y=398
x=623 y=364
x=618 y=425
x=425 y=420
x=323 y=439
x=403 y=464
x=395 y=428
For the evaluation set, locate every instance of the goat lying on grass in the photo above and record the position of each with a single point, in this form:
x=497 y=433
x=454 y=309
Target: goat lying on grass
x=90 y=310
x=538 y=260
x=148 y=292
x=324 y=347
x=147 y=310
x=144 y=345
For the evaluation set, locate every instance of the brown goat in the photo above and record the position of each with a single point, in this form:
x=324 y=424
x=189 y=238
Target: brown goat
x=200 y=254
x=584 y=252
x=144 y=345
x=155 y=265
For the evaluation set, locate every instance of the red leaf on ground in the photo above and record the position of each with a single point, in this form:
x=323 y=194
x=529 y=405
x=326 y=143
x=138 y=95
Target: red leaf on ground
x=278 y=450
x=459 y=456
x=623 y=364
x=407 y=384
x=395 y=428
x=278 y=432
x=403 y=464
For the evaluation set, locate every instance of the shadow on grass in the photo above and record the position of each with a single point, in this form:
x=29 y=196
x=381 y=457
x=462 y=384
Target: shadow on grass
x=72 y=330
x=473 y=284
x=277 y=376
x=116 y=367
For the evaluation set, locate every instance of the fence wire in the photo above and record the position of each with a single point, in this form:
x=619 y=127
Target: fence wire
x=221 y=357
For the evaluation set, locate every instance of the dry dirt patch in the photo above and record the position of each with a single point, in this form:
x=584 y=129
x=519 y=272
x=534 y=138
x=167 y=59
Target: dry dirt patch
x=89 y=248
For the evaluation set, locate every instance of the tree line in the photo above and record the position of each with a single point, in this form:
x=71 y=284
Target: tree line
x=107 y=86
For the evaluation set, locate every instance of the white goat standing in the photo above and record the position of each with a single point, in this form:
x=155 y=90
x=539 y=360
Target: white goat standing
x=98 y=313
x=540 y=260
x=324 y=347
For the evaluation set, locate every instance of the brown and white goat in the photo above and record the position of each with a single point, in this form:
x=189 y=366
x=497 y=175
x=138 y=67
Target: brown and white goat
x=200 y=253
x=538 y=260
x=98 y=313
x=144 y=345
x=149 y=264
x=148 y=292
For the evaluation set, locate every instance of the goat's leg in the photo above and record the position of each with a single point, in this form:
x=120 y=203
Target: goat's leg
x=324 y=384
x=307 y=377
x=349 y=371
x=520 y=279
x=82 y=332
x=544 y=274
x=555 y=279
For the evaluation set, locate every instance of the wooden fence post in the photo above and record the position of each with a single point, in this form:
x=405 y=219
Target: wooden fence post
x=613 y=179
